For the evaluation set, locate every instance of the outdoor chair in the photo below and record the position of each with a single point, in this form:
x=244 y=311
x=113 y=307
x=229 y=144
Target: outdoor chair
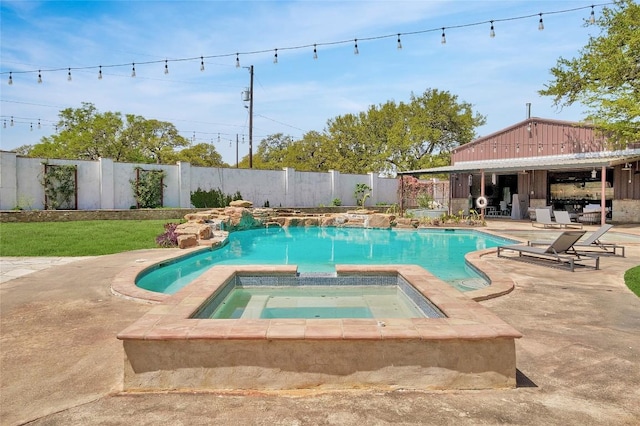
x=592 y=244
x=504 y=209
x=560 y=252
x=543 y=217
x=564 y=220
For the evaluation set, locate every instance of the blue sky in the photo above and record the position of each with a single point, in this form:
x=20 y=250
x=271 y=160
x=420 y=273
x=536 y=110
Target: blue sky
x=498 y=76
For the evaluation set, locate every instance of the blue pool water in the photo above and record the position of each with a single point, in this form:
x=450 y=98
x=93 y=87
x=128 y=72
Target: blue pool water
x=319 y=249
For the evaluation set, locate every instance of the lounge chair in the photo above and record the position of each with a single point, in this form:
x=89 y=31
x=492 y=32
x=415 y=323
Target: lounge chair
x=592 y=244
x=560 y=251
x=543 y=217
x=564 y=220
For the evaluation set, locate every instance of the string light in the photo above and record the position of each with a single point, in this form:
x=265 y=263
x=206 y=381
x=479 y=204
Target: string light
x=31 y=127
x=4 y=124
x=100 y=73
x=166 y=66
x=591 y=20
x=39 y=77
x=201 y=63
x=315 y=52
x=11 y=122
x=39 y=125
x=275 y=57
x=492 y=32
x=133 y=69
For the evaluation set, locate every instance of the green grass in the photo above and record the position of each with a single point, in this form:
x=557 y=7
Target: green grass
x=632 y=279
x=78 y=238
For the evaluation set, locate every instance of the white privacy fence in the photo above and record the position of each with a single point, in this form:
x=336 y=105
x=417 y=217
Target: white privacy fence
x=105 y=184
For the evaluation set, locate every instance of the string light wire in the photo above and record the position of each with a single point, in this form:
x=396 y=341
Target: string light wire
x=314 y=45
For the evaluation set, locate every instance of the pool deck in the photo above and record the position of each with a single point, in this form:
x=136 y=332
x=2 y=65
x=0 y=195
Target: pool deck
x=60 y=361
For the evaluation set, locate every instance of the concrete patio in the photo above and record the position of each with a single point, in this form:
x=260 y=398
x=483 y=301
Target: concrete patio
x=577 y=362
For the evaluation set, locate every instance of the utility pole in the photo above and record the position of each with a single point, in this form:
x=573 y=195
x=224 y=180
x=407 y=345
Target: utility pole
x=251 y=118
x=236 y=150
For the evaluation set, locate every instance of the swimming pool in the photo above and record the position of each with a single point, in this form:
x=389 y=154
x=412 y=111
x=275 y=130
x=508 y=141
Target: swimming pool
x=316 y=250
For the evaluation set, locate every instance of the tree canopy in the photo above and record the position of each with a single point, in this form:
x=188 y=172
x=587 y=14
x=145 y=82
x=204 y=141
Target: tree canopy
x=86 y=134
x=605 y=77
x=385 y=138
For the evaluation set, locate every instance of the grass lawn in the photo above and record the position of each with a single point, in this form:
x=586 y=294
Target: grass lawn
x=632 y=279
x=79 y=238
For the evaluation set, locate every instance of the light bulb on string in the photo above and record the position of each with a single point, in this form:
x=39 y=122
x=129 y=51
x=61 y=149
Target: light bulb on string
x=355 y=47
x=100 y=73
x=399 y=42
x=315 y=52
x=39 y=125
x=39 y=77
x=275 y=57
x=10 y=79
x=237 y=61
x=11 y=122
x=592 y=17
x=31 y=127
x=492 y=32
x=540 y=24
x=443 y=39
x=4 y=124
x=166 y=67
x=133 y=69
x=201 y=63
x=69 y=75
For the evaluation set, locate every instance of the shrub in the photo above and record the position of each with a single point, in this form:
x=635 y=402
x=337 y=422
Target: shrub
x=168 y=238
x=361 y=193
x=213 y=198
x=336 y=202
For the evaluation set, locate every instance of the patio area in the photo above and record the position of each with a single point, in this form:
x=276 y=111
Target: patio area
x=577 y=360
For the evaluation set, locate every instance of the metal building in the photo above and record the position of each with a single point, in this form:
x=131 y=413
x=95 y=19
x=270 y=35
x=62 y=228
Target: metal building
x=540 y=163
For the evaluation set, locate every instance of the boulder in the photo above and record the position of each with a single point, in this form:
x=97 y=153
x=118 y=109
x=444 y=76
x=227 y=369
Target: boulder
x=202 y=231
x=378 y=220
x=187 y=240
x=241 y=203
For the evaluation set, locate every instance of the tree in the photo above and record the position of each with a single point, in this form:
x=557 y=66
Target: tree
x=605 y=77
x=271 y=153
x=385 y=138
x=87 y=134
x=202 y=154
x=403 y=136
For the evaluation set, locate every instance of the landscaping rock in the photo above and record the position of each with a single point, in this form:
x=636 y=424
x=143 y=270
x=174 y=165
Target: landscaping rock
x=202 y=231
x=186 y=241
x=380 y=221
x=241 y=203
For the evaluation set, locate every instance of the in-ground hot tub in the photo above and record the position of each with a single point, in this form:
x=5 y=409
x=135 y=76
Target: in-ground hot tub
x=462 y=346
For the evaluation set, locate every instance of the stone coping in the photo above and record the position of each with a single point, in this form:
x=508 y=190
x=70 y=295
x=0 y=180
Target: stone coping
x=124 y=283
x=465 y=319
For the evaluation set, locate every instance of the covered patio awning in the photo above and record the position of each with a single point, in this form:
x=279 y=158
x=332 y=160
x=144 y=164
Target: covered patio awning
x=553 y=162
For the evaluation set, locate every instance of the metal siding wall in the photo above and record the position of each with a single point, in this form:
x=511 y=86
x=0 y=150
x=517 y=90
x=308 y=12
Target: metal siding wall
x=545 y=138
